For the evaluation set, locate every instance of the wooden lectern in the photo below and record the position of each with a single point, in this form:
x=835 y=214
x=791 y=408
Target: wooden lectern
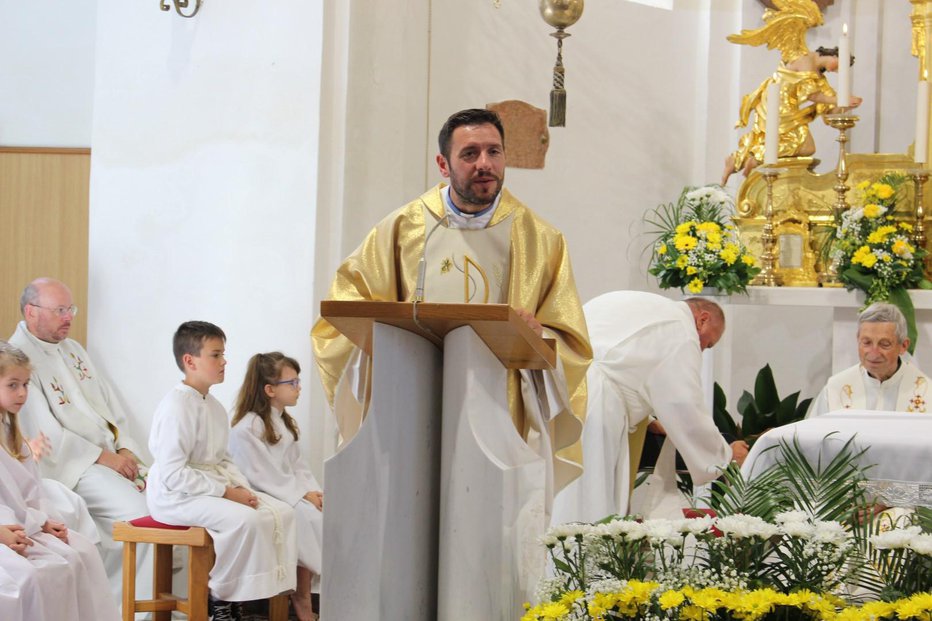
x=435 y=506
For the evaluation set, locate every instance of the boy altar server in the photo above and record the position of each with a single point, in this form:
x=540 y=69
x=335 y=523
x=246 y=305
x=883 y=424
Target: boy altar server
x=193 y=481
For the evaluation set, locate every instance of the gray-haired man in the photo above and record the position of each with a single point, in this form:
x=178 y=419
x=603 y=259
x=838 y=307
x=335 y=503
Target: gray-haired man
x=883 y=379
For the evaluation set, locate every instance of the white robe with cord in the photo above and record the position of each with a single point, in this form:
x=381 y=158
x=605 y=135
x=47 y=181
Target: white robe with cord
x=646 y=361
x=191 y=470
x=69 y=577
x=71 y=403
x=280 y=471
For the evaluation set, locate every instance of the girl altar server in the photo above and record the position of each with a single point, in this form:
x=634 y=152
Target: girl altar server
x=52 y=572
x=264 y=444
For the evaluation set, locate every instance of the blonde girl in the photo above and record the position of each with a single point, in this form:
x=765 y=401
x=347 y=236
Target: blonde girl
x=63 y=566
x=264 y=445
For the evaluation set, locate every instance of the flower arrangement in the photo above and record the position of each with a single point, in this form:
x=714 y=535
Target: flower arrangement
x=696 y=244
x=736 y=567
x=873 y=250
x=785 y=545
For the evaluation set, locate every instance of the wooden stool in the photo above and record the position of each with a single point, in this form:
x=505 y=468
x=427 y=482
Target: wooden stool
x=200 y=561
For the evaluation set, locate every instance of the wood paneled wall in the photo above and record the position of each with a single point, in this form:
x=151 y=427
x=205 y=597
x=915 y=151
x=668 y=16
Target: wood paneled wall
x=44 y=224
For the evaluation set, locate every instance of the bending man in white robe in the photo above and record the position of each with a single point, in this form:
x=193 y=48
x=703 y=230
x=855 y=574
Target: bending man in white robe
x=647 y=362
x=883 y=379
x=91 y=452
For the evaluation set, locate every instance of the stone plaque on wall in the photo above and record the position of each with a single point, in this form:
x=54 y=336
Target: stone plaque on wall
x=526 y=133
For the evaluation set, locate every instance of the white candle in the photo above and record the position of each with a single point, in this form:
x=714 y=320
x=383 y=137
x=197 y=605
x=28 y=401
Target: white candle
x=772 y=127
x=844 y=69
x=922 y=122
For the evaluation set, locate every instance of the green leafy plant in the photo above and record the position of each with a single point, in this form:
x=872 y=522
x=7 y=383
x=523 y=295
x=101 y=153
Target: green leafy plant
x=760 y=411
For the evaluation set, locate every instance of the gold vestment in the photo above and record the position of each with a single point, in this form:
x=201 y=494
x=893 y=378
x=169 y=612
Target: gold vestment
x=384 y=268
x=795 y=116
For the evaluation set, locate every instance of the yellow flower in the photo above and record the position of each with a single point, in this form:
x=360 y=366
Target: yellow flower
x=552 y=611
x=671 y=599
x=900 y=247
x=864 y=256
x=872 y=211
x=882 y=190
x=691 y=270
x=570 y=597
x=693 y=613
x=682 y=261
x=880 y=235
x=747 y=259
x=730 y=254
x=695 y=286
x=683 y=229
x=662 y=249
x=708 y=228
x=708 y=599
x=863 y=185
x=918 y=605
x=876 y=610
x=685 y=243
x=906 y=226
x=714 y=238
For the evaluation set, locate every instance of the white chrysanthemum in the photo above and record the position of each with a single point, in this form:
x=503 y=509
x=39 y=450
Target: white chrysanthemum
x=827 y=531
x=569 y=530
x=629 y=529
x=799 y=530
x=921 y=544
x=661 y=530
x=894 y=539
x=695 y=526
x=742 y=526
x=791 y=516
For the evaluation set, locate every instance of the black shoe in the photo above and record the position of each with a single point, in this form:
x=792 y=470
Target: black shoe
x=219 y=610
x=237 y=610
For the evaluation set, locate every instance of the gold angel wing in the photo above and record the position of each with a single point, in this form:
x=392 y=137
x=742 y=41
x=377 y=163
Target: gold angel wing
x=784 y=29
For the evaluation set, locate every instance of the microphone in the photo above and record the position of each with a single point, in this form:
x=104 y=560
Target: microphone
x=422 y=264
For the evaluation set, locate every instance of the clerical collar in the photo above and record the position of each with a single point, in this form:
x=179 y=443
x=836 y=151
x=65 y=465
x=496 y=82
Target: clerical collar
x=893 y=379
x=462 y=220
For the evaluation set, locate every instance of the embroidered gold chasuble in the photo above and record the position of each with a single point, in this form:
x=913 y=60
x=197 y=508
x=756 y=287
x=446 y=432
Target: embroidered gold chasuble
x=540 y=279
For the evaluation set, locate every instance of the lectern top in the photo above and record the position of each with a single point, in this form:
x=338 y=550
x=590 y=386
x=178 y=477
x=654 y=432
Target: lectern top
x=509 y=338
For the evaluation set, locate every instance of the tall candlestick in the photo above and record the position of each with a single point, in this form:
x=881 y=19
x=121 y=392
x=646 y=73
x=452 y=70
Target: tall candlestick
x=844 y=69
x=922 y=123
x=772 y=127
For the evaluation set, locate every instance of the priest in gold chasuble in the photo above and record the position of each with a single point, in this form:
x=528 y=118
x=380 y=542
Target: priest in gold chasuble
x=490 y=249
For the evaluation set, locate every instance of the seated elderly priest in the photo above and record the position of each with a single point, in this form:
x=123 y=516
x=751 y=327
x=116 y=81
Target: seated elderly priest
x=883 y=379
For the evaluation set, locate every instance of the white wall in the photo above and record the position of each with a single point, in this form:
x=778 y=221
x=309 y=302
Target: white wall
x=203 y=188
x=47 y=73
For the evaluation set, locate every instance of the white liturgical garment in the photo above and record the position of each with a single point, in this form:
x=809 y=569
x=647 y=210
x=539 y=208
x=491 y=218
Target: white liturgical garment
x=72 y=404
x=646 y=362
x=905 y=391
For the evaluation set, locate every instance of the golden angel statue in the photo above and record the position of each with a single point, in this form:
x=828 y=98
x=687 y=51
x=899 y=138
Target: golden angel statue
x=804 y=91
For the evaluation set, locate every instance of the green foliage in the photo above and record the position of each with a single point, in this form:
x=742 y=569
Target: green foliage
x=760 y=411
x=829 y=492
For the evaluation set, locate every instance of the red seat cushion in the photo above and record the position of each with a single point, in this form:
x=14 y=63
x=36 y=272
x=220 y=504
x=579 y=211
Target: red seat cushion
x=149 y=522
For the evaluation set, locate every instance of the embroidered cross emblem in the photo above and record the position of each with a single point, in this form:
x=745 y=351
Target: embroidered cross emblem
x=62 y=397
x=81 y=368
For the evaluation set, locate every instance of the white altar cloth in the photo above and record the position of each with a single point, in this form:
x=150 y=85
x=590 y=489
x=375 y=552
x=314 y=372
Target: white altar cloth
x=899 y=449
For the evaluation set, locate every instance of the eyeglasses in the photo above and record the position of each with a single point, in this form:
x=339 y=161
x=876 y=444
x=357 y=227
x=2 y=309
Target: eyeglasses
x=295 y=382
x=61 y=311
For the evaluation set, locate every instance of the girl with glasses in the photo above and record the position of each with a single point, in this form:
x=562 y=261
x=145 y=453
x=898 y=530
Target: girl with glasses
x=264 y=445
